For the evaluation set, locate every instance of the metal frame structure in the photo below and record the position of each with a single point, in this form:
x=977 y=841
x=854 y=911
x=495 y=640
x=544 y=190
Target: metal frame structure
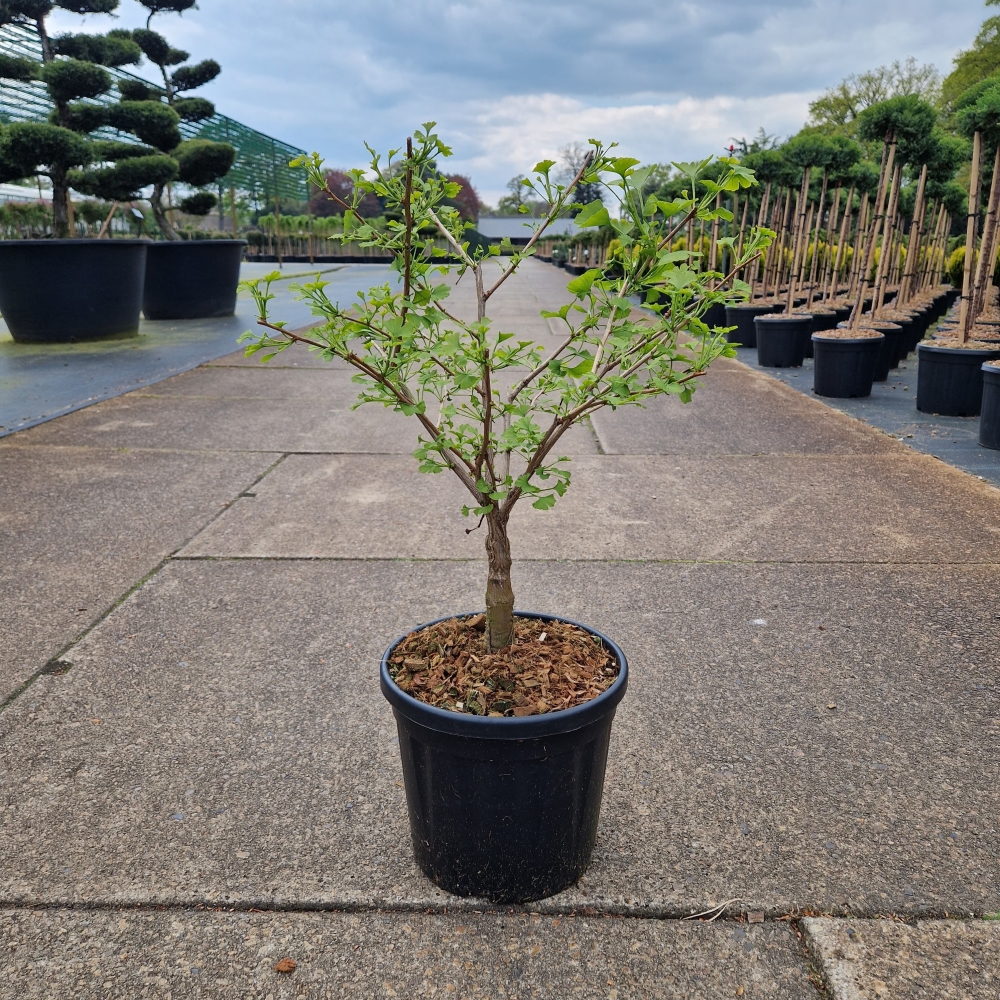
x=261 y=170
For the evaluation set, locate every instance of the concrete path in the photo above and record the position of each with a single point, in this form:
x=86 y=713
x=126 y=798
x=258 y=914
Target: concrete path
x=200 y=775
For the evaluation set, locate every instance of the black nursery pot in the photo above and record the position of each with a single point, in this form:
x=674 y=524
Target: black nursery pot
x=781 y=340
x=823 y=319
x=504 y=809
x=989 y=419
x=59 y=291
x=844 y=369
x=887 y=346
x=715 y=315
x=192 y=279
x=742 y=317
x=950 y=379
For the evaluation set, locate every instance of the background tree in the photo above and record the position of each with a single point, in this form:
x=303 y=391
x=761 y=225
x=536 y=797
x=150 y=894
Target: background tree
x=572 y=158
x=840 y=106
x=977 y=63
x=324 y=204
x=467 y=200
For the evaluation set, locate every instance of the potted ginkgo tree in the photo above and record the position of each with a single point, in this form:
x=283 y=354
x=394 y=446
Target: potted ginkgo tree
x=504 y=716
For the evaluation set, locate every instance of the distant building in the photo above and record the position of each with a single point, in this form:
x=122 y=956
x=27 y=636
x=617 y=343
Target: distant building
x=520 y=228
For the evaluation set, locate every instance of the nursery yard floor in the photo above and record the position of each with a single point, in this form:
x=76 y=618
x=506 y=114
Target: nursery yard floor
x=200 y=776
x=892 y=407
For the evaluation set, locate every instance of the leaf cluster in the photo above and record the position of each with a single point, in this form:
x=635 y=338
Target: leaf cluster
x=493 y=405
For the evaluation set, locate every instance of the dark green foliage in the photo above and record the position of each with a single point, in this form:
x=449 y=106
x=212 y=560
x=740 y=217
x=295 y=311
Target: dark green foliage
x=194 y=109
x=28 y=148
x=17 y=68
x=191 y=77
x=952 y=195
x=88 y=6
x=82 y=118
x=969 y=97
x=202 y=161
x=168 y=6
x=155 y=46
x=844 y=154
x=809 y=150
x=20 y=11
x=908 y=119
x=112 y=149
x=125 y=179
x=770 y=166
x=106 y=50
x=864 y=177
x=945 y=154
x=70 y=79
x=983 y=117
x=199 y=203
x=154 y=123
x=136 y=90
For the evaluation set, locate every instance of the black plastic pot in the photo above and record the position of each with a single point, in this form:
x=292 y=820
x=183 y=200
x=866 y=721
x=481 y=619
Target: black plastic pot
x=781 y=340
x=887 y=346
x=504 y=808
x=742 y=317
x=59 y=291
x=989 y=418
x=950 y=379
x=715 y=315
x=844 y=369
x=823 y=319
x=192 y=279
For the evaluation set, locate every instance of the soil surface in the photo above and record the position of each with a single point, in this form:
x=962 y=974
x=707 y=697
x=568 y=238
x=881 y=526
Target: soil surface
x=862 y=333
x=550 y=665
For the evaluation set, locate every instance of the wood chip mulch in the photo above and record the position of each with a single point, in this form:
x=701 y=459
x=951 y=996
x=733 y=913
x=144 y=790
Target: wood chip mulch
x=550 y=666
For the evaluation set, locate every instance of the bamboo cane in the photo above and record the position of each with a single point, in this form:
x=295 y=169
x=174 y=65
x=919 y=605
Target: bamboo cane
x=964 y=319
x=871 y=236
x=987 y=253
x=878 y=296
x=819 y=222
x=913 y=246
x=831 y=226
x=845 y=229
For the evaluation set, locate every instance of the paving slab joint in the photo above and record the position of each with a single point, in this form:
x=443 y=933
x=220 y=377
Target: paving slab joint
x=58 y=664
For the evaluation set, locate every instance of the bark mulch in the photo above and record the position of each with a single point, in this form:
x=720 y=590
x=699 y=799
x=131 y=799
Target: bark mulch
x=550 y=666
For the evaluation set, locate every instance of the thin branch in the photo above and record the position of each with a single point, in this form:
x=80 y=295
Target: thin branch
x=546 y=222
x=451 y=239
x=528 y=379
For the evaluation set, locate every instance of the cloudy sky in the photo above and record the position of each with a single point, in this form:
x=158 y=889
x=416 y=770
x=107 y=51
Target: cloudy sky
x=511 y=81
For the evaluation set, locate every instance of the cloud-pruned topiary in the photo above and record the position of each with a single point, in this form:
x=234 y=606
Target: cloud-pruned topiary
x=72 y=69
x=153 y=112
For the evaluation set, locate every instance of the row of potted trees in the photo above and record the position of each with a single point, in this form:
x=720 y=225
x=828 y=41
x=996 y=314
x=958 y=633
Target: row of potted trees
x=65 y=289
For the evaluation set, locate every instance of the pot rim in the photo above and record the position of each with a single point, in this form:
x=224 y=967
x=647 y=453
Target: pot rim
x=848 y=340
x=196 y=243
x=784 y=318
x=504 y=728
x=79 y=241
x=970 y=352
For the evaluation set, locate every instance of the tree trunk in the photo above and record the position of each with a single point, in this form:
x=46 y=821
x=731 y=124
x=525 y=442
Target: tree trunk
x=60 y=198
x=499 y=593
x=156 y=203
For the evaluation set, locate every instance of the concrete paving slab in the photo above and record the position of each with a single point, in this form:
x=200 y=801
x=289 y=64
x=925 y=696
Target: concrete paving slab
x=88 y=953
x=943 y=959
x=82 y=526
x=244 y=409
x=736 y=413
x=221 y=739
x=826 y=508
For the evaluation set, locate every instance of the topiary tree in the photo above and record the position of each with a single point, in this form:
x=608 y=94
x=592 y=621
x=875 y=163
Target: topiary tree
x=153 y=114
x=73 y=70
x=493 y=406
